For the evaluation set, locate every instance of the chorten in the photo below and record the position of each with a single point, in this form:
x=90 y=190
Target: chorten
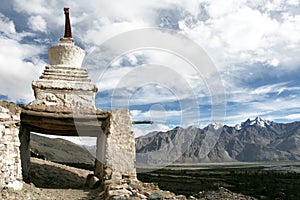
x=65 y=105
x=64 y=83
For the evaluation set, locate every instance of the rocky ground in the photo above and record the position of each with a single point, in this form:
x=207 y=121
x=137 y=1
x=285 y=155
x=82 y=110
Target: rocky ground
x=50 y=180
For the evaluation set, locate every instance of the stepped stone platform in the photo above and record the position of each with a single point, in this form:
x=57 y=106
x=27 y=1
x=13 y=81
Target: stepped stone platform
x=64 y=87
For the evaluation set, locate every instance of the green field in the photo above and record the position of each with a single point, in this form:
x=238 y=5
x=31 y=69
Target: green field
x=279 y=180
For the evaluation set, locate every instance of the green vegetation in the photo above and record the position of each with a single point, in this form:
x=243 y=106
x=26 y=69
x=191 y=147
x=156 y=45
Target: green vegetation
x=253 y=181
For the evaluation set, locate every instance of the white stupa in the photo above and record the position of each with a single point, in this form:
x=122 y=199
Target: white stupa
x=64 y=83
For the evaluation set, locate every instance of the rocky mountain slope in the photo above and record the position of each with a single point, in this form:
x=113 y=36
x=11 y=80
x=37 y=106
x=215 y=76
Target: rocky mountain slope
x=59 y=150
x=252 y=140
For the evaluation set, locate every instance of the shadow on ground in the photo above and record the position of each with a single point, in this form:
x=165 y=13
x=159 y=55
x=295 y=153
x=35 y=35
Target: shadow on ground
x=47 y=176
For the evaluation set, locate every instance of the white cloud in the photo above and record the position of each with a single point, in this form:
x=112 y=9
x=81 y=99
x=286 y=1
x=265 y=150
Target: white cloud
x=278 y=88
x=292 y=116
x=293 y=2
x=245 y=29
x=37 y=23
x=103 y=33
x=166 y=78
x=33 y=6
x=143 y=130
x=267 y=108
x=156 y=113
x=289 y=29
x=234 y=28
x=236 y=33
x=17 y=73
x=6 y=25
x=279 y=104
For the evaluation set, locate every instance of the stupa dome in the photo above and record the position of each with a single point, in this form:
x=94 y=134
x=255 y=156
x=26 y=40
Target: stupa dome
x=66 y=54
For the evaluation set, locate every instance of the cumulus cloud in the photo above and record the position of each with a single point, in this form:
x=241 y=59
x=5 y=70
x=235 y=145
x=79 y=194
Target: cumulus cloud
x=6 y=25
x=237 y=32
x=37 y=23
x=292 y=116
x=19 y=63
x=253 y=43
x=33 y=6
x=16 y=69
x=144 y=130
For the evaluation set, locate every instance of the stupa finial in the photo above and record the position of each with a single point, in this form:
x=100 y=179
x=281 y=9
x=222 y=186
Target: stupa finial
x=67 y=39
x=68 y=31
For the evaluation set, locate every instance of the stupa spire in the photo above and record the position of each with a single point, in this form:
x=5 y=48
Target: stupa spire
x=68 y=31
x=66 y=53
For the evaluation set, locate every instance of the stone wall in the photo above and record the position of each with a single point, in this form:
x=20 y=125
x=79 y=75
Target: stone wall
x=116 y=148
x=10 y=163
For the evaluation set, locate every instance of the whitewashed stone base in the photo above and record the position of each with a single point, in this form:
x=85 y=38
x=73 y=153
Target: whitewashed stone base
x=116 y=148
x=64 y=87
x=10 y=162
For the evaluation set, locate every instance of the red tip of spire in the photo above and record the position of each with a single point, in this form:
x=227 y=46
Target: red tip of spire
x=66 y=10
x=68 y=31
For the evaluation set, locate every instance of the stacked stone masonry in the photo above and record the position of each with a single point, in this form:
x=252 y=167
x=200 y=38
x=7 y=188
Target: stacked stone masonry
x=116 y=148
x=10 y=162
x=64 y=87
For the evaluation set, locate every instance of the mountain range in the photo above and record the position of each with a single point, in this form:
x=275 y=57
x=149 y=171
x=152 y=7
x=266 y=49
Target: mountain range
x=250 y=141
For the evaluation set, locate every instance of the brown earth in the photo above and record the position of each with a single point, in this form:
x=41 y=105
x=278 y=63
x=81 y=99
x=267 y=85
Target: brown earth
x=50 y=180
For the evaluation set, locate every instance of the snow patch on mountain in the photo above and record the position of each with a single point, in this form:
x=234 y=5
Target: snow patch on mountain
x=256 y=122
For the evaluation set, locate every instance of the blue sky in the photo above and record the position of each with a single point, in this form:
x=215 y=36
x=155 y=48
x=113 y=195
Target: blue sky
x=254 y=45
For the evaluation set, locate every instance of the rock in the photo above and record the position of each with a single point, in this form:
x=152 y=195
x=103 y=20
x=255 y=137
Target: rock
x=3 y=110
x=92 y=181
x=141 y=196
x=4 y=116
x=221 y=193
x=155 y=196
x=118 y=187
x=180 y=197
x=120 y=198
x=119 y=193
x=107 y=173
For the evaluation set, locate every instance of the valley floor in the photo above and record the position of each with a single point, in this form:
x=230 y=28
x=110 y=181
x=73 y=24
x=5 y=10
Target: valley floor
x=263 y=180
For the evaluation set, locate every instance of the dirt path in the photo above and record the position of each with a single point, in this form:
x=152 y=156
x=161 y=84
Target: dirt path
x=54 y=181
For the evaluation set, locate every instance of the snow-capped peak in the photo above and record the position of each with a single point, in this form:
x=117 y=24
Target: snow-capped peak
x=238 y=127
x=257 y=121
x=215 y=126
